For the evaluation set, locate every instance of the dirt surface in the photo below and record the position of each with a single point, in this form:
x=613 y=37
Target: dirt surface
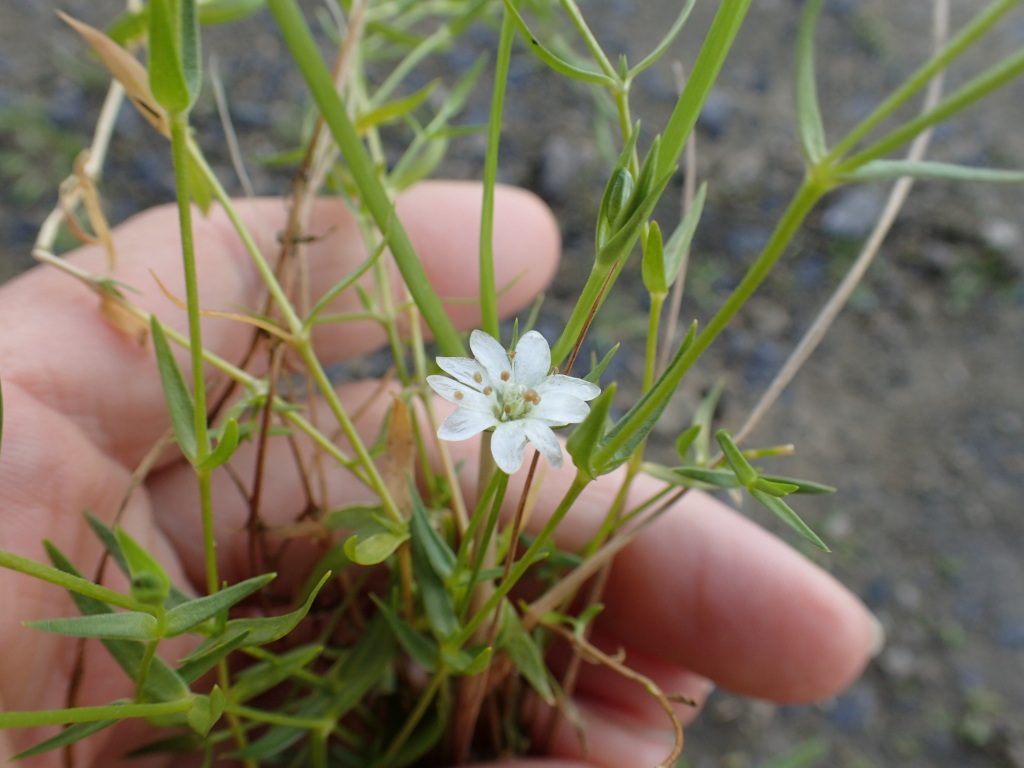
x=914 y=406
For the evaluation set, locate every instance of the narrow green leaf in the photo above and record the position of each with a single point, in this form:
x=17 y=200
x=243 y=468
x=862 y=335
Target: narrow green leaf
x=393 y=110
x=802 y=486
x=188 y=615
x=773 y=488
x=191 y=58
x=270 y=628
x=180 y=406
x=558 y=64
x=199 y=185
x=167 y=77
x=162 y=682
x=224 y=450
x=266 y=675
x=808 y=114
x=115 y=711
x=717 y=478
x=468 y=662
x=745 y=473
x=437 y=600
x=131 y=625
x=666 y=41
x=785 y=513
x=884 y=170
x=66 y=580
x=525 y=653
x=195 y=665
x=679 y=243
x=67 y=736
x=373 y=544
x=422 y=649
x=685 y=440
x=437 y=550
x=594 y=377
x=585 y=438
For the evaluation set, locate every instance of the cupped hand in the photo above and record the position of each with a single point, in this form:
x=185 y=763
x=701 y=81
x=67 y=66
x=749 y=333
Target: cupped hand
x=702 y=596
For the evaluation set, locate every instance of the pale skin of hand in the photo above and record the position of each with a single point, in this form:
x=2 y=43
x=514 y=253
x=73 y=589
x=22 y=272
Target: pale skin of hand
x=704 y=595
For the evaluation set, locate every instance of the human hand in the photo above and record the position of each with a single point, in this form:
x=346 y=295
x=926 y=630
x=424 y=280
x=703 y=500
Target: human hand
x=703 y=595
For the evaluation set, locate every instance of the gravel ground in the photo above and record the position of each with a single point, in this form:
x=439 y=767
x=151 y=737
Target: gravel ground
x=914 y=406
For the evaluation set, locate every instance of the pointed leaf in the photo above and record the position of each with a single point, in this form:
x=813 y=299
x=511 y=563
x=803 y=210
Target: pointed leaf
x=195 y=665
x=131 y=625
x=774 y=488
x=180 y=406
x=188 y=615
x=585 y=439
x=525 y=653
x=393 y=110
x=884 y=170
x=206 y=711
x=653 y=262
x=437 y=600
x=271 y=628
x=422 y=649
x=666 y=41
x=223 y=11
x=69 y=735
x=685 y=440
x=558 y=64
x=785 y=513
x=808 y=113
x=802 y=486
x=269 y=674
x=594 y=377
x=437 y=550
x=744 y=472
x=167 y=77
x=679 y=243
x=150 y=583
x=224 y=450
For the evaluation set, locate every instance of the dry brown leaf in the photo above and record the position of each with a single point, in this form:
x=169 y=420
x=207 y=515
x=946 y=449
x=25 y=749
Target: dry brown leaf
x=122 y=319
x=399 y=455
x=126 y=69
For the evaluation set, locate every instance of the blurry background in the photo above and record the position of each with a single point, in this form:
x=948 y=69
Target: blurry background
x=914 y=406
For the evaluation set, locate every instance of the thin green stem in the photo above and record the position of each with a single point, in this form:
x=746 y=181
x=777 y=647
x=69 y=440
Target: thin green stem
x=523 y=564
x=589 y=40
x=805 y=199
x=180 y=154
x=373 y=196
x=488 y=287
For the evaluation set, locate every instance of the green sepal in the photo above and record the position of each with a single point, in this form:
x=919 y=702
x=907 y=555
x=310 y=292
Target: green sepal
x=585 y=438
x=621 y=241
x=224 y=449
x=614 y=190
x=785 y=513
x=193 y=613
x=180 y=406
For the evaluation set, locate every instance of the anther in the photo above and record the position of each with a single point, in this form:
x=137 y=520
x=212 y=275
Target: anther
x=488 y=390
x=477 y=377
x=512 y=354
x=531 y=396
x=459 y=395
x=505 y=375
x=508 y=410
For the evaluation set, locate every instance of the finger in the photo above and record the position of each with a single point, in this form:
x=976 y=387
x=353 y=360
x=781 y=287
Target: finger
x=67 y=356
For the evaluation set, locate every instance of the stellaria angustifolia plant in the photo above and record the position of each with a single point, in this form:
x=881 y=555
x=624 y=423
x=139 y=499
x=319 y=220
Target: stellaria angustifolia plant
x=405 y=641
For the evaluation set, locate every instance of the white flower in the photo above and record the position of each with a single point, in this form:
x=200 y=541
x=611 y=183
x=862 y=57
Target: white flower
x=515 y=394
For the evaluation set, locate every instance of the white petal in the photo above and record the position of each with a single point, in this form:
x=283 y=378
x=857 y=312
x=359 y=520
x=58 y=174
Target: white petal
x=545 y=441
x=461 y=395
x=532 y=361
x=508 y=445
x=463 y=369
x=491 y=354
x=558 y=409
x=569 y=385
x=462 y=424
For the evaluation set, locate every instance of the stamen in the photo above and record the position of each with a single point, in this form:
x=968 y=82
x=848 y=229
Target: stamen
x=488 y=390
x=477 y=377
x=512 y=354
x=459 y=395
x=508 y=410
x=531 y=396
x=505 y=375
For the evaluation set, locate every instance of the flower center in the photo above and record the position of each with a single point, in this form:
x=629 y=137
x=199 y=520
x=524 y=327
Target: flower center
x=515 y=402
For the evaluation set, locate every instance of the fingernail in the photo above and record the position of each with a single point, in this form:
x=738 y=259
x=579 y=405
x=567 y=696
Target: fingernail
x=877 y=635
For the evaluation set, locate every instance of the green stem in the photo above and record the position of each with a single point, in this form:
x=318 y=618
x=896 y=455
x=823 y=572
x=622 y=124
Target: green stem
x=180 y=153
x=805 y=199
x=523 y=564
x=488 y=287
x=588 y=38
x=92 y=714
x=978 y=26
x=304 y=51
